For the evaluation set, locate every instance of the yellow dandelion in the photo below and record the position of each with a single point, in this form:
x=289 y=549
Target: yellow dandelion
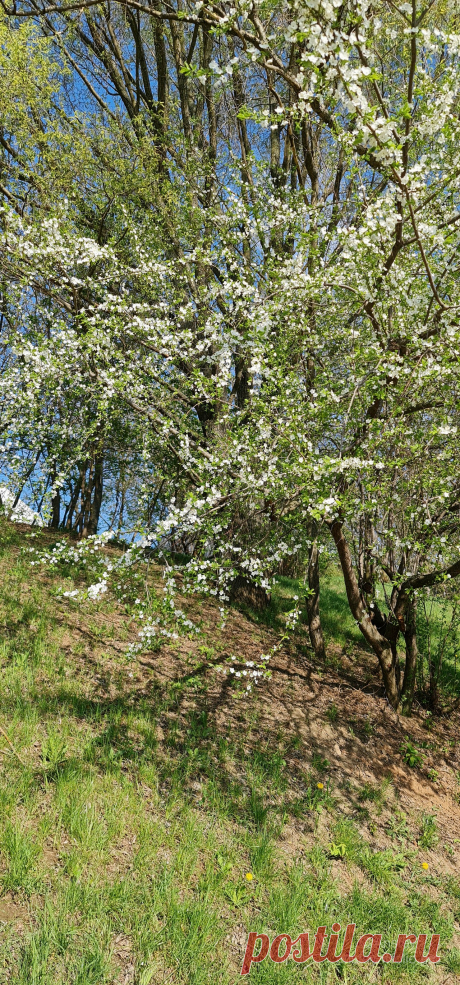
x=320 y=786
x=249 y=876
x=425 y=865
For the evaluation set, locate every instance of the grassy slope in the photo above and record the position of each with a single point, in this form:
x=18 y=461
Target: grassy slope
x=146 y=792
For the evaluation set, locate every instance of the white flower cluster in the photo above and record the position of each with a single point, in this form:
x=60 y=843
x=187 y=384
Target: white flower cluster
x=251 y=671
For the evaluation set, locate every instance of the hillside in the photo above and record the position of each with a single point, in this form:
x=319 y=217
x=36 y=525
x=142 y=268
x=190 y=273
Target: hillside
x=140 y=795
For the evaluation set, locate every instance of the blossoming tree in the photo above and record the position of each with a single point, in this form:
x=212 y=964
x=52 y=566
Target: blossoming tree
x=261 y=287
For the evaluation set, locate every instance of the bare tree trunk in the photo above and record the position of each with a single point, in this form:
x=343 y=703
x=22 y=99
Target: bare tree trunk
x=365 y=562
x=410 y=636
x=314 y=619
x=97 y=491
x=74 y=499
x=384 y=648
x=93 y=498
x=86 y=502
x=122 y=510
x=55 y=511
x=55 y=518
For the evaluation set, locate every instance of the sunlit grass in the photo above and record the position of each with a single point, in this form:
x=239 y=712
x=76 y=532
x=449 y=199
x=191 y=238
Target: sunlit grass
x=126 y=855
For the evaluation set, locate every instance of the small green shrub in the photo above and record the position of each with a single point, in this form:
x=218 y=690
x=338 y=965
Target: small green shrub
x=411 y=755
x=429 y=831
x=54 y=749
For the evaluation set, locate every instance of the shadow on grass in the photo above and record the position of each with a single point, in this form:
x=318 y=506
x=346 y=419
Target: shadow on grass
x=246 y=786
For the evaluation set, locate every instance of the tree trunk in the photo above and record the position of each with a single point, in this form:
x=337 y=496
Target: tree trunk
x=97 y=493
x=93 y=498
x=86 y=502
x=314 y=619
x=56 y=511
x=55 y=518
x=382 y=647
x=245 y=591
x=74 y=498
x=410 y=636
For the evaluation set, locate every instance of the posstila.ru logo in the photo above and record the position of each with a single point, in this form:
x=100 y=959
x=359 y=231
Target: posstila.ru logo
x=367 y=948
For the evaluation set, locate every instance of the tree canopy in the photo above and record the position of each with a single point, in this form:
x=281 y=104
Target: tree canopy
x=229 y=289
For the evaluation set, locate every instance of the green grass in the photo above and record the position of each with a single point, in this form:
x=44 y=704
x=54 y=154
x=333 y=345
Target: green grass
x=125 y=851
